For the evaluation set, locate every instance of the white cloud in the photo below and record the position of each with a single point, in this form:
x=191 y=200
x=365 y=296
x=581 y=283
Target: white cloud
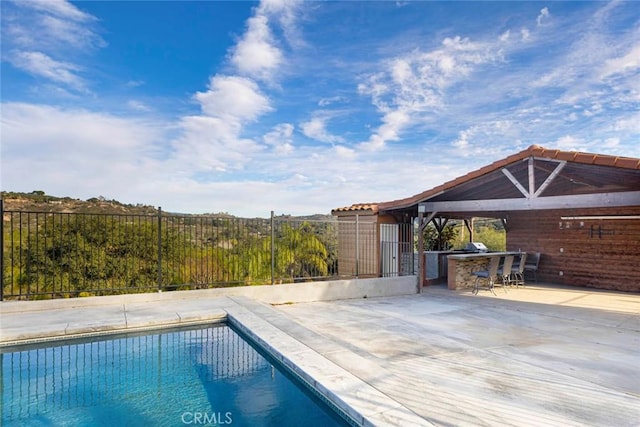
x=214 y=142
x=46 y=38
x=568 y=143
x=280 y=138
x=392 y=124
x=316 y=128
x=613 y=142
x=344 y=152
x=286 y=13
x=625 y=64
x=487 y=139
x=462 y=143
x=134 y=83
x=543 y=16
x=61 y=27
x=84 y=154
x=629 y=123
x=597 y=72
x=255 y=55
x=137 y=105
x=68 y=34
x=324 y=102
x=233 y=98
x=210 y=144
x=591 y=144
x=41 y=65
x=61 y=8
x=596 y=108
x=74 y=151
x=307 y=180
x=415 y=85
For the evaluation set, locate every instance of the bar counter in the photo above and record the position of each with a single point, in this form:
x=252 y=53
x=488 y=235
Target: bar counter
x=460 y=267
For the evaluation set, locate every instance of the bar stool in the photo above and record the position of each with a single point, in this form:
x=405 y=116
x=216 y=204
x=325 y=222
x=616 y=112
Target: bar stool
x=504 y=271
x=517 y=271
x=489 y=275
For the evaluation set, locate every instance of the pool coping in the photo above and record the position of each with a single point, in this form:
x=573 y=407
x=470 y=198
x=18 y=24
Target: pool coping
x=361 y=402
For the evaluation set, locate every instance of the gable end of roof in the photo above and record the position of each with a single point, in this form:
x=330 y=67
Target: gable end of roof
x=535 y=151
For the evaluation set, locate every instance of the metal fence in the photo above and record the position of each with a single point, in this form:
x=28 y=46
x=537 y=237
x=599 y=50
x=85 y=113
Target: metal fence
x=396 y=250
x=59 y=255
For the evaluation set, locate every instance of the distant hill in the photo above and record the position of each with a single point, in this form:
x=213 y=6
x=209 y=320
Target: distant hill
x=38 y=201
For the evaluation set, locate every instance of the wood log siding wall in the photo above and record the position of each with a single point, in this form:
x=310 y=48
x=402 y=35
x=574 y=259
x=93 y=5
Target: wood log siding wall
x=595 y=253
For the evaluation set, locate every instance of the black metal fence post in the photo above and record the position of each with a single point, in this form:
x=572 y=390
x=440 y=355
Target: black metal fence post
x=421 y=264
x=1 y=250
x=273 y=251
x=159 y=249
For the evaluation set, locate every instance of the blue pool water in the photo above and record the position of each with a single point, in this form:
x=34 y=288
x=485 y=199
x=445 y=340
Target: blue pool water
x=208 y=376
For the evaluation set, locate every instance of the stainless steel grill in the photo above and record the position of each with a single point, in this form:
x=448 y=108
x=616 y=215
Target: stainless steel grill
x=475 y=247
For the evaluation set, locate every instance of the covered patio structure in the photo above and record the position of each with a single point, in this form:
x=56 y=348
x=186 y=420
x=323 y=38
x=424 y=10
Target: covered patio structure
x=580 y=211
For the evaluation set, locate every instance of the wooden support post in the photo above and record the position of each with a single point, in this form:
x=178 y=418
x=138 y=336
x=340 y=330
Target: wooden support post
x=420 y=252
x=469 y=224
x=422 y=224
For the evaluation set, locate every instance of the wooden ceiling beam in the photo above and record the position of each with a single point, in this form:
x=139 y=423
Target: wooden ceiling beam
x=623 y=198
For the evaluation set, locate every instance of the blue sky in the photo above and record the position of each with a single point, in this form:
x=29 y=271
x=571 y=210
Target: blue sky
x=302 y=107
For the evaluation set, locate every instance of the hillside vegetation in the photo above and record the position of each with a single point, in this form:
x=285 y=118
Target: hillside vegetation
x=39 y=201
x=63 y=247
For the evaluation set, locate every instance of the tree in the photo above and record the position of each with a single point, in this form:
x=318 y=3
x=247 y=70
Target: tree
x=99 y=254
x=300 y=253
x=444 y=241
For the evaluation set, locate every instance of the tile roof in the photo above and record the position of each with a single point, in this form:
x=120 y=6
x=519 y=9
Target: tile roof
x=533 y=151
x=359 y=207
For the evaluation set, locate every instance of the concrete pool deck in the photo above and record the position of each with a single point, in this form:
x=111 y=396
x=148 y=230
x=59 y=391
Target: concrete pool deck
x=534 y=356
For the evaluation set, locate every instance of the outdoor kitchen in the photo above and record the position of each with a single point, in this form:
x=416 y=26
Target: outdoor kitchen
x=460 y=266
x=437 y=262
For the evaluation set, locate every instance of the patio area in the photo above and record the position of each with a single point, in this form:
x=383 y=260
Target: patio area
x=535 y=356
x=540 y=355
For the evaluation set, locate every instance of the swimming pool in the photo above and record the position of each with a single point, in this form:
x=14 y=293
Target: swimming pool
x=204 y=376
